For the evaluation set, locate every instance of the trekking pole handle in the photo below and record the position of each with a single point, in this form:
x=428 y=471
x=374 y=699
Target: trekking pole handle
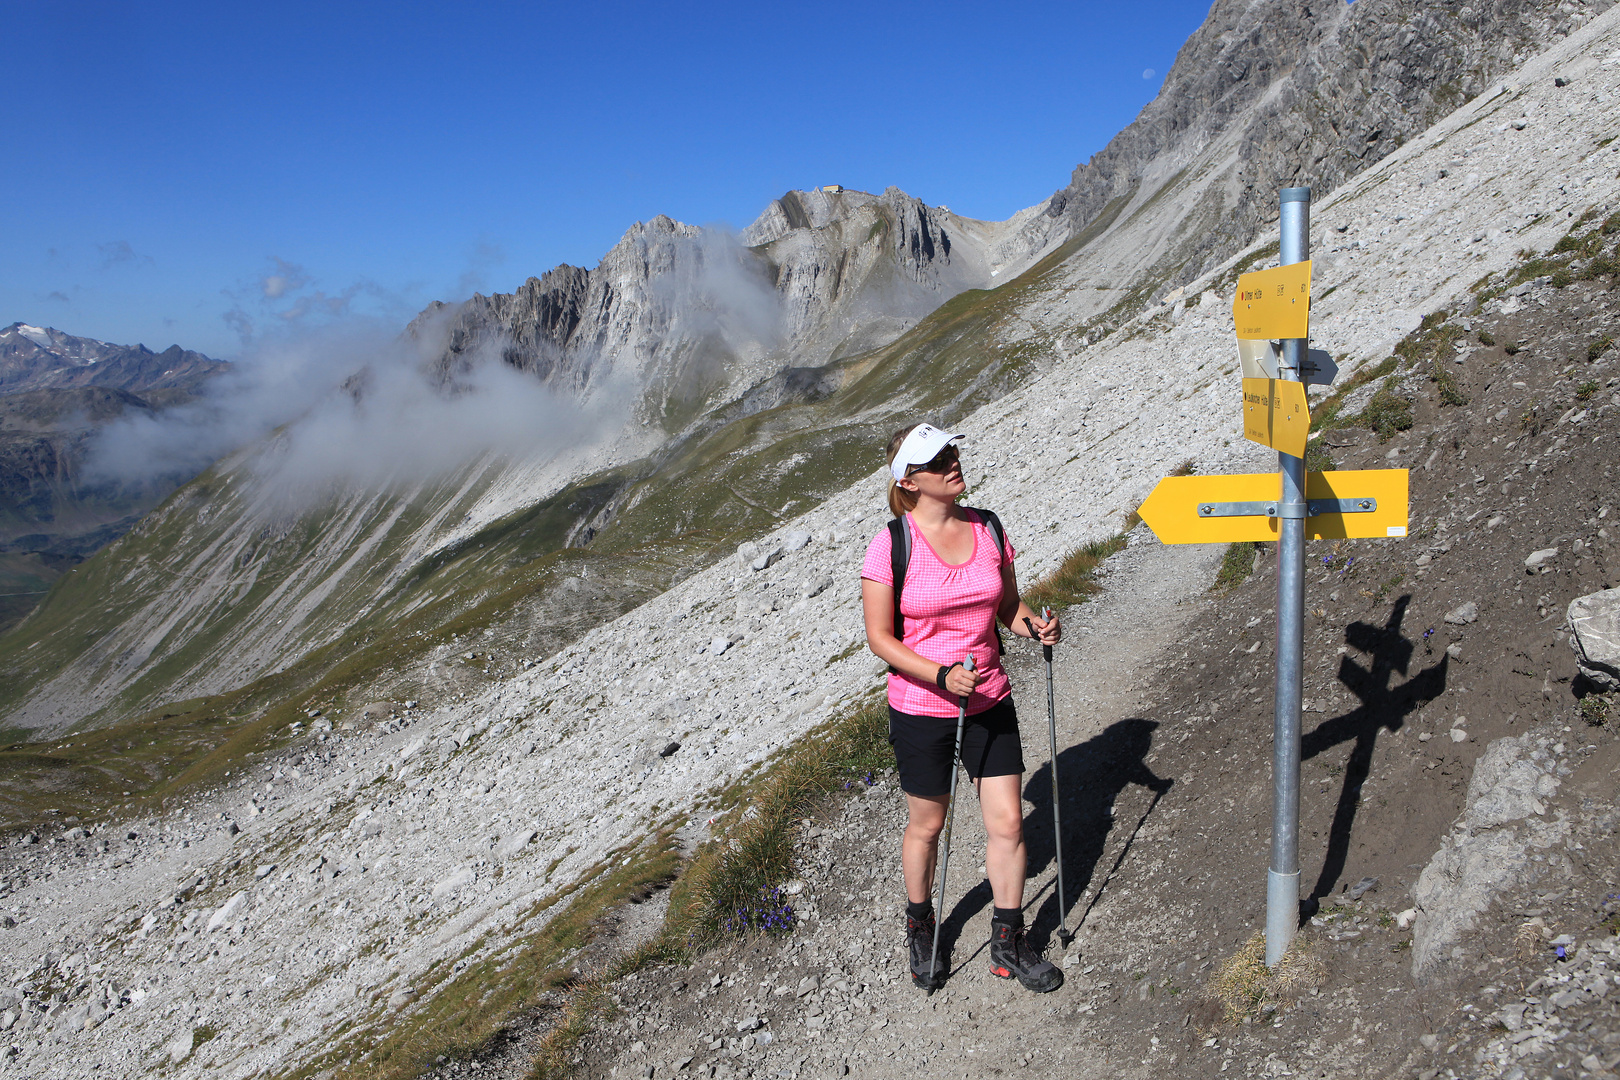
x=1046 y=650
x=967 y=662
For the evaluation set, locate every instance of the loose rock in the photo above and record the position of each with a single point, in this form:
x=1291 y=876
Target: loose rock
x=1463 y=614
x=1594 y=621
x=1538 y=560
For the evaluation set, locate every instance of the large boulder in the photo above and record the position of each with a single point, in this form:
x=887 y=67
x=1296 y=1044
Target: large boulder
x=1594 y=622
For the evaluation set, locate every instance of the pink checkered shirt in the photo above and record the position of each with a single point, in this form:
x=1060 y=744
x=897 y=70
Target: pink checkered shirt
x=948 y=612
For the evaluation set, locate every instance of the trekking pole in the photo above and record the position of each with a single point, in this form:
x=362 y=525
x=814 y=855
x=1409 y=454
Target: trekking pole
x=1064 y=937
x=945 y=839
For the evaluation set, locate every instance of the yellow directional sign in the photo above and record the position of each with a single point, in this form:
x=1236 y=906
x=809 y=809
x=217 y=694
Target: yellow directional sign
x=1171 y=511
x=1357 y=503
x=1274 y=303
x=1275 y=414
x=1386 y=487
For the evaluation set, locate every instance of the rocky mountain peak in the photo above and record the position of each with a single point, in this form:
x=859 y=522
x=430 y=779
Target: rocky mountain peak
x=694 y=314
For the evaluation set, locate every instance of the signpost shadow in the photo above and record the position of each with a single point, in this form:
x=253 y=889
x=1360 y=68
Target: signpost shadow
x=1093 y=774
x=1383 y=706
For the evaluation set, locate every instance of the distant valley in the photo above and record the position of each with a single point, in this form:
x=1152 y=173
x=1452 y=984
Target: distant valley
x=57 y=392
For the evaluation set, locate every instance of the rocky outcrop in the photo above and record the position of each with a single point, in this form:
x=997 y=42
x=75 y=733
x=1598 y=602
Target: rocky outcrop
x=1492 y=844
x=695 y=317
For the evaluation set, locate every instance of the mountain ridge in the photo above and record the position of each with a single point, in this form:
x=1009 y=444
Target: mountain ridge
x=44 y=358
x=818 y=275
x=1297 y=93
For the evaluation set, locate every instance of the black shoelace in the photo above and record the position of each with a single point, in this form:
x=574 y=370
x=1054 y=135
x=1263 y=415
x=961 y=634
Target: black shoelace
x=1023 y=949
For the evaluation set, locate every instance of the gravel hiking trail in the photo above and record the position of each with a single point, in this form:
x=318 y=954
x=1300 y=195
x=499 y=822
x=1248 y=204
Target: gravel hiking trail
x=835 y=999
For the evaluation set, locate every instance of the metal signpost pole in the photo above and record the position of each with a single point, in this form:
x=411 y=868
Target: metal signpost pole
x=1268 y=306
x=1282 y=879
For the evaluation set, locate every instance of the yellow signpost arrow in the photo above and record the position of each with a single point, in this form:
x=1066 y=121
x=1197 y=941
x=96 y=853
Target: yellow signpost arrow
x=1355 y=503
x=1275 y=414
x=1274 y=303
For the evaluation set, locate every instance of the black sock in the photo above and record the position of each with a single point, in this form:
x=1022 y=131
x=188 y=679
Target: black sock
x=921 y=912
x=1010 y=916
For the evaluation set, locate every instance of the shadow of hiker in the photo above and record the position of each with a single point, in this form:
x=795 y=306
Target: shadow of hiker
x=1092 y=774
x=1382 y=706
x=972 y=902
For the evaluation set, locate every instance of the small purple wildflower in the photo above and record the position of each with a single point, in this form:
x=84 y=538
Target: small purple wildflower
x=1561 y=952
x=770 y=913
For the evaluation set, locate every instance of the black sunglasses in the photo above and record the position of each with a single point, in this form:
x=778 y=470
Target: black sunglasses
x=941 y=463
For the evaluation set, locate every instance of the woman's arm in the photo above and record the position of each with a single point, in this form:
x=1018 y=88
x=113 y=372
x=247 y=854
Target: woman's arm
x=1013 y=611
x=877 y=606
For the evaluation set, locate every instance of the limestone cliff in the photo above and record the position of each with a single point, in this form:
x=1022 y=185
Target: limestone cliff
x=1299 y=92
x=693 y=317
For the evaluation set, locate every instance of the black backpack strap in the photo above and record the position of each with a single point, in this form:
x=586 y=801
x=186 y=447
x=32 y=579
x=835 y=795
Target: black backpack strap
x=993 y=523
x=899 y=559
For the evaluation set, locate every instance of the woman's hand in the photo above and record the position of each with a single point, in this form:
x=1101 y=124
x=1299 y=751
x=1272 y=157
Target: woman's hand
x=1047 y=632
x=961 y=681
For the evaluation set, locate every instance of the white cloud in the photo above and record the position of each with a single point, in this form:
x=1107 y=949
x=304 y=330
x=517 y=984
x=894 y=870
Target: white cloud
x=287 y=277
x=353 y=406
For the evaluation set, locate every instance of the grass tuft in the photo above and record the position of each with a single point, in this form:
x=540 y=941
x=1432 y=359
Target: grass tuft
x=1326 y=414
x=1243 y=986
x=1594 y=709
x=1386 y=413
x=1450 y=392
x=1236 y=566
x=740 y=865
x=1317 y=458
x=1073 y=580
x=729 y=878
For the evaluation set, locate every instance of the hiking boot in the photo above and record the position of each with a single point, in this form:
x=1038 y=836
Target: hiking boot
x=920 y=943
x=1013 y=957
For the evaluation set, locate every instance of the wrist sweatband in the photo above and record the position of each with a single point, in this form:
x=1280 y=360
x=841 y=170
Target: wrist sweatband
x=944 y=670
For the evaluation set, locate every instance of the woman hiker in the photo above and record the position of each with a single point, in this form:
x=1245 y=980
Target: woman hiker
x=956 y=582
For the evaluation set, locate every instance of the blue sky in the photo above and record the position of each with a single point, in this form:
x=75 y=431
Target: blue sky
x=220 y=174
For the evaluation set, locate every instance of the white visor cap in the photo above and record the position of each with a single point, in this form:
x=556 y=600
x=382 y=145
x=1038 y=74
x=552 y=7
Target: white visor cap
x=921 y=446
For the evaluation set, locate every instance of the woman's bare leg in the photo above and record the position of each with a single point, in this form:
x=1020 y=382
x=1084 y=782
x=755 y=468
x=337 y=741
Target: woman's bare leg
x=920 y=844
x=1005 y=857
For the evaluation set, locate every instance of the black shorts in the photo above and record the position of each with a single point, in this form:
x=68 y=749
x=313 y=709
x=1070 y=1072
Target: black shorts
x=923 y=744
